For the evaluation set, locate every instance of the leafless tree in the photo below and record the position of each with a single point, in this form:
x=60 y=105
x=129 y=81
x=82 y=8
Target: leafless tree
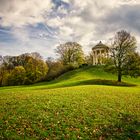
x=123 y=45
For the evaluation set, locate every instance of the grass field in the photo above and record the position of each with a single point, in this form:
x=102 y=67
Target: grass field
x=74 y=106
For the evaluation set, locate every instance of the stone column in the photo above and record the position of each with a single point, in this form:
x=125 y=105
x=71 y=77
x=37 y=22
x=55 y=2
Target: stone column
x=107 y=53
x=101 y=57
x=93 y=58
x=96 y=57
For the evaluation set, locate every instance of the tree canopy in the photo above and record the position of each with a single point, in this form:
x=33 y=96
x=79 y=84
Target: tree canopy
x=70 y=53
x=123 y=45
x=23 y=69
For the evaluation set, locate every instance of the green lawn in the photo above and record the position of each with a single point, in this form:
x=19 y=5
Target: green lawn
x=74 y=106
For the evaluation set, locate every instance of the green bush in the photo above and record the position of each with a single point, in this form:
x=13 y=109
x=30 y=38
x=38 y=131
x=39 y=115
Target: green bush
x=56 y=69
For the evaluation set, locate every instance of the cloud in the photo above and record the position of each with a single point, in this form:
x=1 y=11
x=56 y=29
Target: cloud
x=40 y=25
x=23 y=12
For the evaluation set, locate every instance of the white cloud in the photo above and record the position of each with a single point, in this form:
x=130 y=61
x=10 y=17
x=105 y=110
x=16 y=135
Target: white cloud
x=62 y=10
x=23 y=12
x=55 y=22
x=132 y=2
x=21 y=34
x=66 y=31
x=67 y=1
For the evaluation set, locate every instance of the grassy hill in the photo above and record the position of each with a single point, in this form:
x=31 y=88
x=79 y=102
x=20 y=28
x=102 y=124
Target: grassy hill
x=88 y=76
x=74 y=106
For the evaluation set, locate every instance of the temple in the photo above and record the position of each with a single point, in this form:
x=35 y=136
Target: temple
x=100 y=53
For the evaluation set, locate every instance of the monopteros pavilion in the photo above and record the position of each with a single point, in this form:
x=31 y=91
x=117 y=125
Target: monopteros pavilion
x=100 y=53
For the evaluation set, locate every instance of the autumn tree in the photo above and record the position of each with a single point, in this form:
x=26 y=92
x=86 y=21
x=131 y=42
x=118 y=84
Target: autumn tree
x=23 y=69
x=5 y=70
x=36 y=69
x=57 y=68
x=123 y=45
x=17 y=76
x=70 y=53
x=1 y=59
x=89 y=59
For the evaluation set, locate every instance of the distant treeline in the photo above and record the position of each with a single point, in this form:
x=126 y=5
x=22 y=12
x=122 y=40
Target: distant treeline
x=23 y=69
x=30 y=68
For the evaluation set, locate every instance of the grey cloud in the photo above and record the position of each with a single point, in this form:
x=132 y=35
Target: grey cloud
x=124 y=17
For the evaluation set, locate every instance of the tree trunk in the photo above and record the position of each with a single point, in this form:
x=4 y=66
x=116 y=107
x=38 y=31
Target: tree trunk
x=119 y=76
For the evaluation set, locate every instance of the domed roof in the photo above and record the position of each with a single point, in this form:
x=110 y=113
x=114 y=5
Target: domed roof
x=100 y=45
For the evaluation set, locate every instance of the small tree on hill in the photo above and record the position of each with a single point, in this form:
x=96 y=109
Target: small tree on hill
x=89 y=59
x=70 y=53
x=123 y=45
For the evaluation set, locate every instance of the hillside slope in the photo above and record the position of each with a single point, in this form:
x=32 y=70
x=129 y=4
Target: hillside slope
x=82 y=76
x=88 y=76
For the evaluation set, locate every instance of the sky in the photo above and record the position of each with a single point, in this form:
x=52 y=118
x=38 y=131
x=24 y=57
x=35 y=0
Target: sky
x=41 y=25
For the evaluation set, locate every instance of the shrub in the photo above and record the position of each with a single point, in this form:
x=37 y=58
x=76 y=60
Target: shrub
x=57 y=68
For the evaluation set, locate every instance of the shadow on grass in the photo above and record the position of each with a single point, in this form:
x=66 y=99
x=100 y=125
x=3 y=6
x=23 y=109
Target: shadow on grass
x=91 y=82
x=127 y=128
x=51 y=85
x=105 y=82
